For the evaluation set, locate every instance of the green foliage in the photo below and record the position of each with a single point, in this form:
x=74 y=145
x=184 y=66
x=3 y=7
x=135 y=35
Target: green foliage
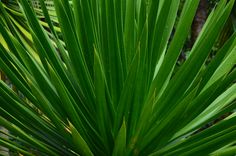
x=103 y=81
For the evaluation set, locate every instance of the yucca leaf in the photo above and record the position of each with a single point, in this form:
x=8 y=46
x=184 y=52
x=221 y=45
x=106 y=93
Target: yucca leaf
x=21 y=133
x=79 y=142
x=14 y=147
x=125 y=101
x=120 y=143
x=105 y=114
x=225 y=151
x=104 y=78
x=216 y=61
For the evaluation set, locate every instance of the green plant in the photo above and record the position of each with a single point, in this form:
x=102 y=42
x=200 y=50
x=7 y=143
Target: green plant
x=111 y=89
